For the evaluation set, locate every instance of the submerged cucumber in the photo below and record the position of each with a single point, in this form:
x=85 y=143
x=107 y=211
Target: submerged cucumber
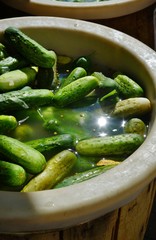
x=44 y=78
x=56 y=169
x=117 y=145
x=54 y=143
x=7 y=123
x=106 y=83
x=23 y=132
x=83 y=176
x=20 y=153
x=12 y=174
x=29 y=48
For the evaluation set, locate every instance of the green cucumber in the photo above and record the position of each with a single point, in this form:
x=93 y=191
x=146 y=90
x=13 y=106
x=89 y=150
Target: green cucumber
x=83 y=176
x=3 y=51
x=11 y=63
x=25 y=99
x=44 y=78
x=17 y=79
x=84 y=62
x=75 y=74
x=53 y=144
x=127 y=87
x=7 y=123
x=56 y=127
x=29 y=48
x=107 y=84
x=20 y=153
x=23 y=132
x=12 y=174
x=56 y=169
x=109 y=100
x=135 y=125
x=117 y=145
x=75 y=91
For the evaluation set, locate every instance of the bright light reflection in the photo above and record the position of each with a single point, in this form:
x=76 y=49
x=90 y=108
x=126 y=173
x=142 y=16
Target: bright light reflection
x=123 y=123
x=103 y=134
x=102 y=121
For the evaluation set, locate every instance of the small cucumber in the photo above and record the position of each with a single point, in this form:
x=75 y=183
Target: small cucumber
x=83 y=176
x=107 y=84
x=20 y=153
x=64 y=61
x=109 y=100
x=11 y=63
x=44 y=78
x=75 y=74
x=84 y=62
x=127 y=87
x=56 y=127
x=25 y=99
x=131 y=107
x=75 y=91
x=117 y=145
x=29 y=48
x=55 y=143
x=23 y=132
x=135 y=125
x=56 y=169
x=12 y=174
x=17 y=79
x=3 y=51
x=7 y=123
x=84 y=163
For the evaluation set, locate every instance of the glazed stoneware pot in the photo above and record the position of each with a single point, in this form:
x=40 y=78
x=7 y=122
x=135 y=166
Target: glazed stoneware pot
x=69 y=206
x=80 y=10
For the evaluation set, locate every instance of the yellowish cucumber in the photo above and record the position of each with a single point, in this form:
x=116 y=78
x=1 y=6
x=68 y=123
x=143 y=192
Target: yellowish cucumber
x=132 y=107
x=56 y=169
x=135 y=125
